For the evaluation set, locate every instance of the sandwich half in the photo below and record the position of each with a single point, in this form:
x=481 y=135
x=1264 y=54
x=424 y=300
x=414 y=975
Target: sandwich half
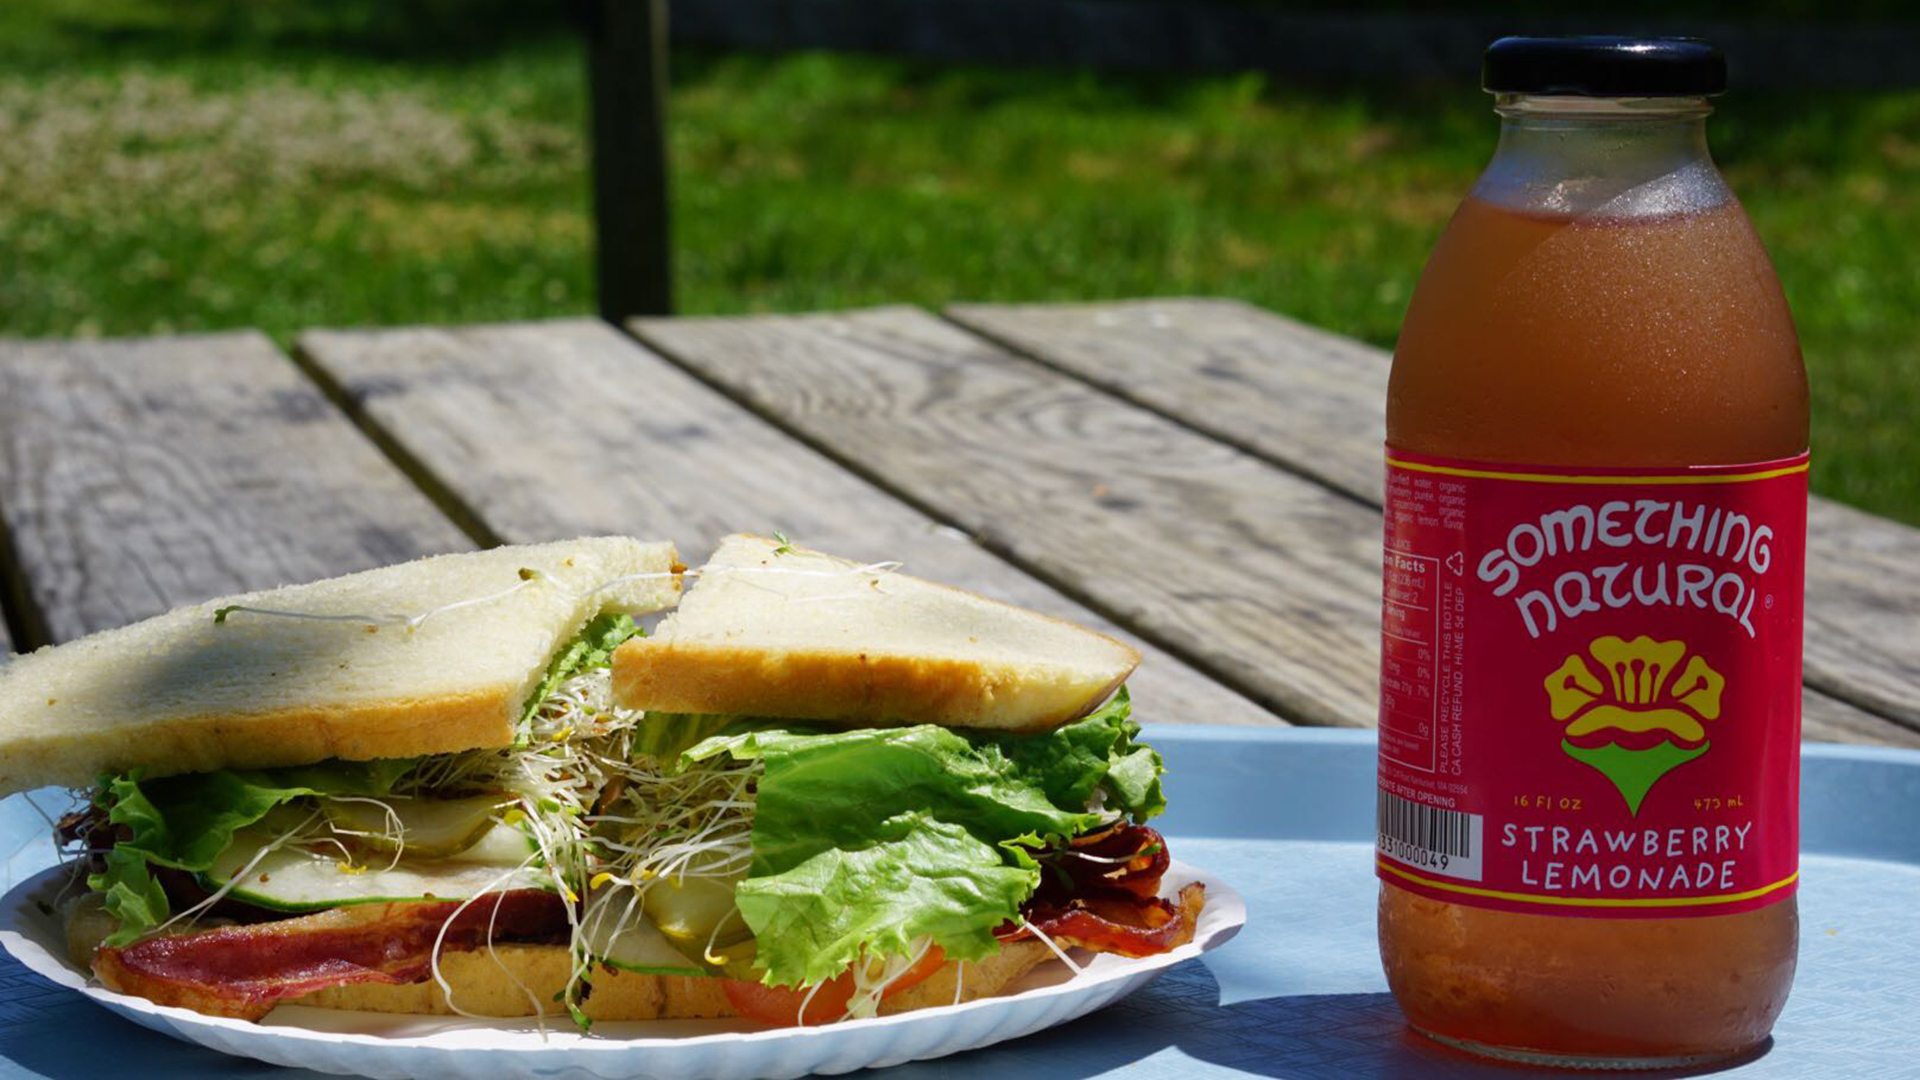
x=286 y=790
x=472 y=785
x=878 y=783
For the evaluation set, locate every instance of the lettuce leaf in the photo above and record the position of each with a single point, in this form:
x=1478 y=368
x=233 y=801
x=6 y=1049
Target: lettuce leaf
x=867 y=839
x=824 y=790
x=918 y=877
x=1097 y=753
x=181 y=822
x=591 y=648
x=665 y=736
x=373 y=779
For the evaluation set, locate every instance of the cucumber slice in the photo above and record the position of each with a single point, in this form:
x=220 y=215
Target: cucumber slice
x=429 y=828
x=689 y=910
x=501 y=845
x=290 y=879
x=637 y=946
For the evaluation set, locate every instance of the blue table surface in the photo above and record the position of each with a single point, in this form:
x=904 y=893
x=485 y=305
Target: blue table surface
x=1286 y=816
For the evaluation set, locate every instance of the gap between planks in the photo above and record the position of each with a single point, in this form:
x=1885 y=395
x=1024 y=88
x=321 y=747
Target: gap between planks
x=449 y=502
x=19 y=627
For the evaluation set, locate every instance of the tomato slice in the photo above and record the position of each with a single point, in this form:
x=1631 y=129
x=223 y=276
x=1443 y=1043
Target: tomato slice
x=779 y=1006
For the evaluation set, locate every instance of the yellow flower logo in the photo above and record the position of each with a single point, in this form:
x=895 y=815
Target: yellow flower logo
x=1637 y=711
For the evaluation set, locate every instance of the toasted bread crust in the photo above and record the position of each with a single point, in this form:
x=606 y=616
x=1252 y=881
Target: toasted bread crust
x=858 y=689
x=382 y=729
x=485 y=984
x=977 y=979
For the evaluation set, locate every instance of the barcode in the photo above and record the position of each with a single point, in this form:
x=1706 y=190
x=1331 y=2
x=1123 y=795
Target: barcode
x=1447 y=832
x=1428 y=837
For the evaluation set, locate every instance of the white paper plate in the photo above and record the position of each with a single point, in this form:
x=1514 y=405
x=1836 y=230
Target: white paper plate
x=385 y=1045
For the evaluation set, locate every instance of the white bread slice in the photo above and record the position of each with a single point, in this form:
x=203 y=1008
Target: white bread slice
x=776 y=630
x=182 y=693
x=491 y=985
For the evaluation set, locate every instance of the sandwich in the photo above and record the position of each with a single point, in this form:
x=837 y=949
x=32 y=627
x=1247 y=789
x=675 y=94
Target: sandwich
x=476 y=785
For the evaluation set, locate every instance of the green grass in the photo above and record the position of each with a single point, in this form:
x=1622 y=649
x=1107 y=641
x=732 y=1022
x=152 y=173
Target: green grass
x=162 y=175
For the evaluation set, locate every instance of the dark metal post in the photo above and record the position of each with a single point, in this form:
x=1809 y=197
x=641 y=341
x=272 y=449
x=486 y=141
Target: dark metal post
x=627 y=84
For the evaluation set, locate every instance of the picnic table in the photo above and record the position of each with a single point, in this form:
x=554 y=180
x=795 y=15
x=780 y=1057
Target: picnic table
x=1200 y=477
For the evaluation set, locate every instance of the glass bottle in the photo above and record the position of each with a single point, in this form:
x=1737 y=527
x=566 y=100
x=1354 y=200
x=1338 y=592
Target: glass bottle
x=1597 y=365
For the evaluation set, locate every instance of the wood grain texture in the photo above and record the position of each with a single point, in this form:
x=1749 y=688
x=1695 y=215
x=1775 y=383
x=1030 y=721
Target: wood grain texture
x=139 y=475
x=556 y=429
x=1262 y=578
x=1300 y=397
x=1825 y=718
x=1312 y=402
x=1863 y=609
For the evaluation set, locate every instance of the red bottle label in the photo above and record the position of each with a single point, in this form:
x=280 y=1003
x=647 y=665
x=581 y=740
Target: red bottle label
x=1590 y=686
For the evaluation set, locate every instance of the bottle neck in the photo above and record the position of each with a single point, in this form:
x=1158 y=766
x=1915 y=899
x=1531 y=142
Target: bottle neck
x=1611 y=157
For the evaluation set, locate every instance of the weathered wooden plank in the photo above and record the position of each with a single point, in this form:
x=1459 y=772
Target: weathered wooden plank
x=1825 y=718
x=1863 y=609
x=138 y=475
x=1266 y=580
x=1312 y=402
x=557 y=429
x=1300 y=397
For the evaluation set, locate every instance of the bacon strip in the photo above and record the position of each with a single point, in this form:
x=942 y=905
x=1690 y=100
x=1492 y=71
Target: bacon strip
x=242 y=971
x=1120 y=922
x=1128 y=857
x=1102 y=893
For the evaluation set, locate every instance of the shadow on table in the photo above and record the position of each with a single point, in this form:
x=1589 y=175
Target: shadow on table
x=1307 y=1037
x=99 y=1045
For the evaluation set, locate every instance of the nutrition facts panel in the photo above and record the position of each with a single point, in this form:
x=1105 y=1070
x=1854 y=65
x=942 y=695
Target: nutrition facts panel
x=1409 y=669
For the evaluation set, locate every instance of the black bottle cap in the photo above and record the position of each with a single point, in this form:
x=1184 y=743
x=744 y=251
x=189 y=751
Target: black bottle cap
x=1604 y=67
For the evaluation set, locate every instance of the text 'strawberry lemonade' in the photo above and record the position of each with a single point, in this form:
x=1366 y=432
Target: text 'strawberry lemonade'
x=1596 y=514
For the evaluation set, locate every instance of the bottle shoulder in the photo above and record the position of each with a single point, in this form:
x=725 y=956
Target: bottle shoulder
x=1599 y=338
x=1517 y=183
